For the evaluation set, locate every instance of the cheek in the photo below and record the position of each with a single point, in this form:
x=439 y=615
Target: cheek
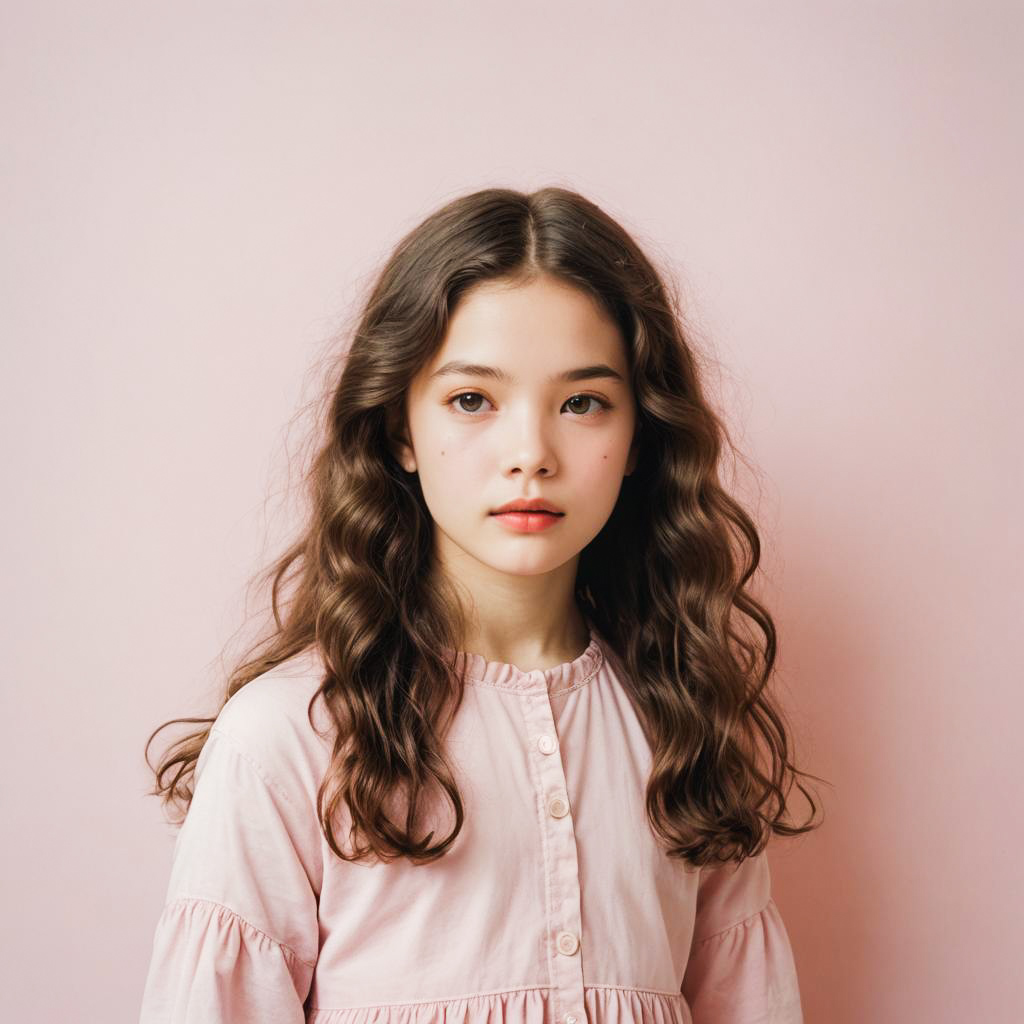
x=604 y=459
x=453 y=458
x=456 y=456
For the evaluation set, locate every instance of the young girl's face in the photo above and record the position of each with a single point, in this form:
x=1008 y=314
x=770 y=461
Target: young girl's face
x=483 y=437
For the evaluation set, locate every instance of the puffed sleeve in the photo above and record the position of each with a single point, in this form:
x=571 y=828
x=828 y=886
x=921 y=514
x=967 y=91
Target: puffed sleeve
x=741 y=968
x=238 y=937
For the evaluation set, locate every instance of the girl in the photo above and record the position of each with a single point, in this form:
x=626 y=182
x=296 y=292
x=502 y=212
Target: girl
x=501 y=759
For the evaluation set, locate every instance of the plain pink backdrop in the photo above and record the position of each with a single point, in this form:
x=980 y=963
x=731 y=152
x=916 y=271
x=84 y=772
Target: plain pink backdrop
x=194 y=194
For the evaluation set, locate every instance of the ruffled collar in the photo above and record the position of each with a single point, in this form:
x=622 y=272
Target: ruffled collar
x=478 y=671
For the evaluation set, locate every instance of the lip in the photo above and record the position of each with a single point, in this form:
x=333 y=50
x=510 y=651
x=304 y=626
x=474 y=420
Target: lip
x=528 y=505
x=526 y=522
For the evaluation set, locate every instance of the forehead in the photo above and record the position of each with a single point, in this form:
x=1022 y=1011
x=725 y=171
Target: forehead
x=545 y=322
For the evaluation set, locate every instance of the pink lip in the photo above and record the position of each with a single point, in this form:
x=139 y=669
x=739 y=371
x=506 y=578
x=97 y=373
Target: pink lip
x=526 y=522
x=528 y=505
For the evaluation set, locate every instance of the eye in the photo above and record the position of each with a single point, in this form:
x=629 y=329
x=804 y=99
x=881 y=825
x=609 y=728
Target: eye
x=458 y=399
x=456 y=402
x=590 y=398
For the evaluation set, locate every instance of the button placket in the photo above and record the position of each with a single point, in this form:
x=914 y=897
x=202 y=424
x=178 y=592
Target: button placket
x=561 y=865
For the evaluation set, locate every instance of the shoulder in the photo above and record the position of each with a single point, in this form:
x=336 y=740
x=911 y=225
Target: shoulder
x=268 y=720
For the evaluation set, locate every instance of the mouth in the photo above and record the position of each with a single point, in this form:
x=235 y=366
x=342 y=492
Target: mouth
x=524 y=520
x=529 y=512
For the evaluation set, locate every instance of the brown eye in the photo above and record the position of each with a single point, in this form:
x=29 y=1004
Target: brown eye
x=589 y=398
x=471 y=395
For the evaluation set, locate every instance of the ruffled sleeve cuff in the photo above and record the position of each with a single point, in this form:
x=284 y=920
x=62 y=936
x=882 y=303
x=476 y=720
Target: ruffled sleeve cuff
x=210 y=966
x=745 y=973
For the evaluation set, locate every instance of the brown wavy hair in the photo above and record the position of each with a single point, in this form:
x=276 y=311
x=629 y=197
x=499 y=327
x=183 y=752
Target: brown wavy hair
x=697 y=647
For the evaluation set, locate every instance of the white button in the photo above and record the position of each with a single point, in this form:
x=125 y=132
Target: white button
x=547 y=744
x=570 y=1018
x=567 y=943
x=559 y=807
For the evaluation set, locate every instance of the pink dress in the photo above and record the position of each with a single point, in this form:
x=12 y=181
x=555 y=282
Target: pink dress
x=555 y=905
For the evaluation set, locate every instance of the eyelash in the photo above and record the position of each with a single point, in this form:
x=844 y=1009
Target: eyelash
x=605 y=405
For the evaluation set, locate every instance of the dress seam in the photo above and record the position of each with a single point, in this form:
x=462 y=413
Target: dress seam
x=443 y=1000
x=737 y=924
x=240 y=751
x=538 y=799
x=233 y=913
x=632 y=988
x=440 y=1000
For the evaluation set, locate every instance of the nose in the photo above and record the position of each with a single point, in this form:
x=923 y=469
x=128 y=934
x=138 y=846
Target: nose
x=529 y=447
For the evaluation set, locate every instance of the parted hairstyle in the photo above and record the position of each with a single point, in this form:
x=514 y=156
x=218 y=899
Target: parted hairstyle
x=697 y=647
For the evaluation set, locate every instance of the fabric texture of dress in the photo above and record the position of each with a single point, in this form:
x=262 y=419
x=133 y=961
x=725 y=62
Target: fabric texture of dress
x=554 y=905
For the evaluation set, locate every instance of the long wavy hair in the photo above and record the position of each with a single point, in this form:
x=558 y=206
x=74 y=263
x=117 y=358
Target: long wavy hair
x=697 y=648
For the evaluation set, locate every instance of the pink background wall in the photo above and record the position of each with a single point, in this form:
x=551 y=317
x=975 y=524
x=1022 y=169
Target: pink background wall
x=192 y=194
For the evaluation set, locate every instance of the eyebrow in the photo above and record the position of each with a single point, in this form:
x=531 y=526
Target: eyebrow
x=456 y=367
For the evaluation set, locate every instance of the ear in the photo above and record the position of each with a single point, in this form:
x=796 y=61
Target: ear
x=398 y=440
